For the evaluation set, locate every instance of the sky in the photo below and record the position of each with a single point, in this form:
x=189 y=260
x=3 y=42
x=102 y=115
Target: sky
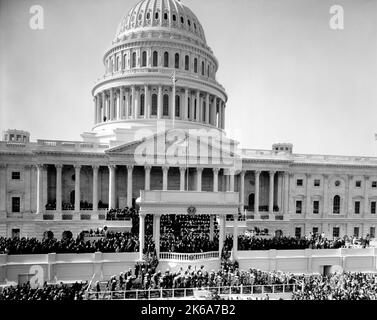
x=289 y=76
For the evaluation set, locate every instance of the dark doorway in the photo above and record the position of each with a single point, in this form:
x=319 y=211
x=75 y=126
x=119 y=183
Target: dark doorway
x=72 y=197
x=251 y=201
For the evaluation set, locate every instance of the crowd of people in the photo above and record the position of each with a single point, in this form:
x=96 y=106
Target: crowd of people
x=187 y=234
x=59 y=292
x=148 y=278
x=313 y=241
x=111 y=242
x=121 y=214
x=343 y=286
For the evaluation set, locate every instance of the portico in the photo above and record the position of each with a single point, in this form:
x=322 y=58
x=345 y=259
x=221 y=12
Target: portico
x=158 y=203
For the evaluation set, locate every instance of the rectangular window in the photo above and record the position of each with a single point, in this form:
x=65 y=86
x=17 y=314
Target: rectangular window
x=15 y=204
x=315 y=230
x=335 y=232
x=374 y=184
x=299 y=182
x=372 y=232
x=317 y=183
x=356 y=232
x=16 y=175
x=299 y=206
x=316 y=207
x=298 y=232
x=358 y=184
x=357 y=207
x=373 y=207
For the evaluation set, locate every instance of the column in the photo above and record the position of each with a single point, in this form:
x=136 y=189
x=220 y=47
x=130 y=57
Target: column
x=182 y=172
x=214 y=112
x=215 y=179
x=192 y=115
x=235 y=236
x=147 y=170
x=348 y=200
x=147 y=103
x=127 y=105
x=185 y=105
x=223 y=116
x=256 y=198
x=366 y=197
x=40 y=208
x=141 y=234
x=271 y=193
x=207 y=109
x=199 y=172
x=220 y=114
x=156 y=232
x=103 y=106
x=129 y=185
x=112 y=187
x=165 y=171
x=117 y=104
x=325 y=195
x=222 y=233
x=112 y=104
x=121 y=112
x=211 y=227
x=95 y=188
x=308 y=202
x=286 y=193
x=159 y=103
x=198 y=106
x=95 y=110
x=137 y=104
x=242 y=191
x=27 y=199
x=77 y=187
x=133 y=93
x=231 y=180
x=59 y=168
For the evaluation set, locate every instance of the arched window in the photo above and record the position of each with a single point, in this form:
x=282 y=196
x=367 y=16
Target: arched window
x=124 y=61
x=134 y=60
x=336 y=205
x=187 y=63
x=174 y=17
x=165 y=16
x=155 y=58
x=182 y=20
x=154 y=105
x=176 y=61
x=156 y=16
x=148 y=15
x=195 y=109
x=196 y=65
x=165 y=108
x=188 y=108
x=177 y=106
x=202 y=68
x=118 y=63
x=142 y=104
x=144 y=59
x=208 y=71
x=166 y=59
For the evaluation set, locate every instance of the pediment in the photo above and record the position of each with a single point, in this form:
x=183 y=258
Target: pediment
x=178 y=144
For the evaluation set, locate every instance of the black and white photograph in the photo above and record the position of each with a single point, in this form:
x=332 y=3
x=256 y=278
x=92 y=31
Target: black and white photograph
x=187 y=150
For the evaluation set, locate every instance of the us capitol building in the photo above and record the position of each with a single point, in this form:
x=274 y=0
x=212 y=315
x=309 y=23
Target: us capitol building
x=158 y=143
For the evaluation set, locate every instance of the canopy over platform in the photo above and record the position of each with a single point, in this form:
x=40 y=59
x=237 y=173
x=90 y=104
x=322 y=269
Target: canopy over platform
x=189 y=202
x=158 y=203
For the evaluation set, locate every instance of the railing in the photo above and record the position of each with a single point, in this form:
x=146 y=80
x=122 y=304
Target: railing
x=71 y=144
x=188 y=256
x=157 y=294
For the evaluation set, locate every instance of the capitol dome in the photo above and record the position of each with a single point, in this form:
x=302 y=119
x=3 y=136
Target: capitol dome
x=156 y=42
x=160 y=14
